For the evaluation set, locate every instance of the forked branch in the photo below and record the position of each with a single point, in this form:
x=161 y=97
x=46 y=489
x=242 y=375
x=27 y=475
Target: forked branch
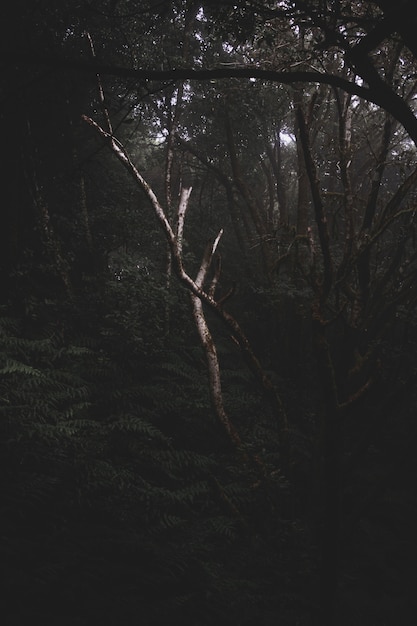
x=194 y=286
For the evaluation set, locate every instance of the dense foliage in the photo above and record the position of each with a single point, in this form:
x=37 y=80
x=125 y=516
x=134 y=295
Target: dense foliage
x=251 y=461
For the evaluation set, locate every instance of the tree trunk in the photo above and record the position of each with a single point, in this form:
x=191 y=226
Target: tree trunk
x=329 y=477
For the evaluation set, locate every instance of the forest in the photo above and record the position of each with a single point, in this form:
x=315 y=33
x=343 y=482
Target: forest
x=208 y=313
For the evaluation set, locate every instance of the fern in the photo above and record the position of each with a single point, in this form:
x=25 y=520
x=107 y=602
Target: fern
x=137 y=426
x=113 y=466
x=16 y=367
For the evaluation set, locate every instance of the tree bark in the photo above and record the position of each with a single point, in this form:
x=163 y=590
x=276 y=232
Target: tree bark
x=209 y=346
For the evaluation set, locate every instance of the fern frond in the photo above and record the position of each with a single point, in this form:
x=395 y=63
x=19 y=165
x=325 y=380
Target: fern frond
x=17 y=367
x=137 y=426
x=183 y=460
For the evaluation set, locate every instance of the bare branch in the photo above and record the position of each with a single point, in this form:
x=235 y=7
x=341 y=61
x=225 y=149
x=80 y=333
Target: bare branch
x=378 y=91
x=207 y=259
x=182 y=209
x=100 y=86
x=122 y=155
x=230 y=322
